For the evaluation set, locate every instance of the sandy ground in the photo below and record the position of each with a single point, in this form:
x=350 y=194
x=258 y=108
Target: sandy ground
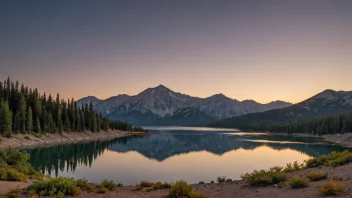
x=19 y=140
x=231 y=190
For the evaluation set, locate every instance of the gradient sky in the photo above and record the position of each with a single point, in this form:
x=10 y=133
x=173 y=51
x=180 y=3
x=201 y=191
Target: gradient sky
x=260 y=49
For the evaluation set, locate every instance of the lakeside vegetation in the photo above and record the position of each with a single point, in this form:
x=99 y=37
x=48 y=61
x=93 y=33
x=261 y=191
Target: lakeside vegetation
x=25 y=110
x=17 y=161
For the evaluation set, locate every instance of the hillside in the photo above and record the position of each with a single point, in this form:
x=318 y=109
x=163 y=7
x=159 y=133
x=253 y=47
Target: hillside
x=324 y=104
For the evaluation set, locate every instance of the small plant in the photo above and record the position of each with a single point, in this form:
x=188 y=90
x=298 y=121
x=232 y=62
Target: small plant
x=281 y=185
x=295 y=166
x=11 y=174
x=316 y=176
x=146 y=184
x=159 y=186
x=15 y=193
x=263 y=178
x=110 y=185
x=333 y=159
x=201 y=182
x=212 y=182
x=54 y=187
x=332 y=188
x=27 y=137
x=297 y=182
x=228 y=180
x=221 y=179
x=83 y=184
x=182 y=189
x=102 y=190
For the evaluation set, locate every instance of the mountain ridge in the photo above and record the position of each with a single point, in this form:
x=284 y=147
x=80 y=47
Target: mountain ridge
x=155 y=104
x=325 y=103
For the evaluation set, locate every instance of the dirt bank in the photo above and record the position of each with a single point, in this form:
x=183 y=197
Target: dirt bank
x=342 y=139
x=29 y=140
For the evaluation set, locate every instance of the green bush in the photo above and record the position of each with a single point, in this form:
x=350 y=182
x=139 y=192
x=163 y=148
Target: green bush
x=15 y=193
x=14 y=165
x=54 y=187
x=263 y=178
x=194 y=194
x=180 y=189
x=333 y=159
x=332 y=188
x=110 y=185
x=11 y=174
x=27 y=137
x=295 y=166
x=84 y=185
x=102 y=190
x=316 y=176
x=159 y=185
x=146 y=184
x=297 y=182
x=221 y=179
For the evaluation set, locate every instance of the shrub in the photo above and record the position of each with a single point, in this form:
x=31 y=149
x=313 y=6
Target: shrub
x=146 y=184
x=11 y=174
x=316 y=176
x=332 y=188
x=54 y=187
x=212 y=182
x=180 y=189
x=295 y=166
x=159 y=185
x=194 y=194
x=297 y=182
x=333 y=159
x=263 y=178
x=83 y=184
x=228 y=180
x=102 y=190
x=110 y=185
x=27 y=137
x=15 y=193
x=221 y=179
x=201 y=182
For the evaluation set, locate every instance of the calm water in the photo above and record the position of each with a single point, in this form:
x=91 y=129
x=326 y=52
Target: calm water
x=192 y=154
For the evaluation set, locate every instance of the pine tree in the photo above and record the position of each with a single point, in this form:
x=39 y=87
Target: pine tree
x=93 y=122
x=37 y=125
x=22 y=113
x=5 y=119
x=29 y=120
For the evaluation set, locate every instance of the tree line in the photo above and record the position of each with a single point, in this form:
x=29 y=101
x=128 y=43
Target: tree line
x=339 y=123
x=25 y=110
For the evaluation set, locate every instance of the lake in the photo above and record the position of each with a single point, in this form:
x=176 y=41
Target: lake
x=176 y=153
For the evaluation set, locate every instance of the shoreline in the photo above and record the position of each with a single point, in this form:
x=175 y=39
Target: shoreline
x=30 y=140
x=232 y=189
x=343 y=139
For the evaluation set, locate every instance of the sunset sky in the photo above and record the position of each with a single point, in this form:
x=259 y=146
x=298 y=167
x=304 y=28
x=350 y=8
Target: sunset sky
x=260 y=49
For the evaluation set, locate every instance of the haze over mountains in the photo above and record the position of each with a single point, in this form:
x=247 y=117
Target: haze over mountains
x=162 y=106
x=324 y=104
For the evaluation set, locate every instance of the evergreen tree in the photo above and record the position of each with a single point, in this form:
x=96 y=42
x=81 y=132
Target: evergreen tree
x=37 y=125
x=22 y=113
x=29 y=120
x=5 y=119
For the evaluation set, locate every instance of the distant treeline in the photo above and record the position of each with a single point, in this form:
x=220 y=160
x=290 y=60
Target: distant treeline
x=25 y=110
x=340 y=123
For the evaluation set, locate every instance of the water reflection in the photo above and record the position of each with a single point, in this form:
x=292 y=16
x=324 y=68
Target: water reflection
x=57 y=159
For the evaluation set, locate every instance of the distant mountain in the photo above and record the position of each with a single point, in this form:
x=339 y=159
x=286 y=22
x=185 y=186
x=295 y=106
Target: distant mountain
x=87 y=100
x=160 y=105
x=326 y=103
x=189 y=116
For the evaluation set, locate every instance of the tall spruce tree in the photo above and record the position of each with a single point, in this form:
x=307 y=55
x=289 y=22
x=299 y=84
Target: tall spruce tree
x=29 y=120
x=5 y=119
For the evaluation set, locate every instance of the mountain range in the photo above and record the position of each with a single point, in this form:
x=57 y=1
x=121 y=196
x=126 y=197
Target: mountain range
x=324 y=104
x=162 y=106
